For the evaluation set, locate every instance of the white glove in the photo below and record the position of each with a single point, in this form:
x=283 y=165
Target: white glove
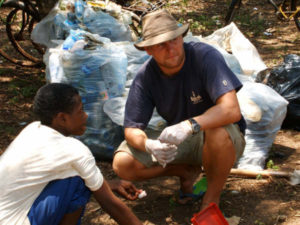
x=177 y=133
x=163 y=152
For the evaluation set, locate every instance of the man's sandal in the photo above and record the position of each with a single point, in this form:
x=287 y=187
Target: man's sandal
x=199 y=190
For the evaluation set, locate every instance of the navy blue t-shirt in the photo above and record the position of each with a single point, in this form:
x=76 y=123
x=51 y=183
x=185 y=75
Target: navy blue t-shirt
x=203 y=78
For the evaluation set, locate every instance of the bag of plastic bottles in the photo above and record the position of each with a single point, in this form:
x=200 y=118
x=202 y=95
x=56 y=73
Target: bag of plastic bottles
x=55 y=26
x=79 y=9
x=264 y=110
x=105 y=25
x=75 y=35
x=102 y=135
x=115 y=109
x=98 y=71
x=135 y=59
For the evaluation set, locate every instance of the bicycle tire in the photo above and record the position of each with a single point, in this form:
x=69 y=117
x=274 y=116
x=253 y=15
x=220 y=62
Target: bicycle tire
x=294 y=6
x=233 y=8
x=12 y=37
x=25 y=63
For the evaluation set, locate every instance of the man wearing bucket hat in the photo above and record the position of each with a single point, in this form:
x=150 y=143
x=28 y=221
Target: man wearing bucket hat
x=193 y=89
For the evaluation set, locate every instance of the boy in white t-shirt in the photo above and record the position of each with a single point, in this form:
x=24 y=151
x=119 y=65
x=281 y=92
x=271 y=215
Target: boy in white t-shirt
x=47 y=176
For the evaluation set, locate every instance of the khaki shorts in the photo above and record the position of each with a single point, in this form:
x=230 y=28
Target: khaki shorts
x=189 y=151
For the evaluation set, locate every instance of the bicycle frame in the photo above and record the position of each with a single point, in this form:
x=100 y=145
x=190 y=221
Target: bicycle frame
x=286 y=14
x=281 y=10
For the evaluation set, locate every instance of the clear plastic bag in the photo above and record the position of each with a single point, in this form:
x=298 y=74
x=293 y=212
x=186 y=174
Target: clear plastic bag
x=105 y=25
x=136 y=58
x=264 y=111
x=115 y=109
x=99 y=74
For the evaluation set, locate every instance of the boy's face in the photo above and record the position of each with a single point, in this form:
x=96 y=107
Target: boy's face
x=75 y=122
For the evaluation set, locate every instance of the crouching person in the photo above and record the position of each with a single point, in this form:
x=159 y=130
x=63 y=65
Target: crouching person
x=47 y=177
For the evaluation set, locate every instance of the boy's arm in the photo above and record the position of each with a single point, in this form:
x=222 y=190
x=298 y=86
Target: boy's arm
x=114 y=206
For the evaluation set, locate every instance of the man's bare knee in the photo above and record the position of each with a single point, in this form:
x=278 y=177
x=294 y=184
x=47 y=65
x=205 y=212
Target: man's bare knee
x=217 y=137
x=218 y=143
x=124 y=165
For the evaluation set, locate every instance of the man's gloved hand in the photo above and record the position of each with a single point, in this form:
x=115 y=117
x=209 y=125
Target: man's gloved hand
x=177 y=133
x=163 y=152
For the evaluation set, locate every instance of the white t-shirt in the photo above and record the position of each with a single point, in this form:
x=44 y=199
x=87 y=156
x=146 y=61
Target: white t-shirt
x=38 y=155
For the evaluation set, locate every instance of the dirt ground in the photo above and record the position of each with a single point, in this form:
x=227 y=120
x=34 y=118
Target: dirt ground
x=266 y=201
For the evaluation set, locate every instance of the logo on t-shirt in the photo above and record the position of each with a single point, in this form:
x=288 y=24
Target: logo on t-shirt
x=196 y=99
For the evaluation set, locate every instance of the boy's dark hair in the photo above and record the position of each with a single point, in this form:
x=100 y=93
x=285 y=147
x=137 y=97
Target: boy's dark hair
x=52 y=99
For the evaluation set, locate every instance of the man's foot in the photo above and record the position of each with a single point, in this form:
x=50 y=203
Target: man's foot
x=199 y=190
x=188 y=179
x=186 y=183
x=187 y=199
x=206 y=201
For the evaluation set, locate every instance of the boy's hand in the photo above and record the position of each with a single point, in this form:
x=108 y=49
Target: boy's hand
x=124 y=188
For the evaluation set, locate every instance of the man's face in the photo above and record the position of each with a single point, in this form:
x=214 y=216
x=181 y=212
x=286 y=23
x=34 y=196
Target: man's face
x=169 y=55
x=75 y=122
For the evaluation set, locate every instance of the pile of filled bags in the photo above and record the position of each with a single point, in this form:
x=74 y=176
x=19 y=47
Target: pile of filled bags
x=92 y=49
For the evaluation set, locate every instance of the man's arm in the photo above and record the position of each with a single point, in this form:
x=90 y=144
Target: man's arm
x=114 y=206
x=136 y=138
x=226 y=111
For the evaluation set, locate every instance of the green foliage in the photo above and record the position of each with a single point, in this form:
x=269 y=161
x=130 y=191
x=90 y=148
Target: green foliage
x=257 y=25
x=259 y=177
x=28 y=92
x=200 y=22
x=185 y=2
x=14 y=100
x=19 y=89
x=257 y=222
x=172 y=204
x=7 y=129
x=271 y=165
x=4 y=71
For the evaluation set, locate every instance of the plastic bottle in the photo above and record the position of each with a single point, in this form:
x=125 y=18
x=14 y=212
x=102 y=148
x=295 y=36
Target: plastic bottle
x=74 y=36
x=79 y=9
x=69 y=42
x=60 y=27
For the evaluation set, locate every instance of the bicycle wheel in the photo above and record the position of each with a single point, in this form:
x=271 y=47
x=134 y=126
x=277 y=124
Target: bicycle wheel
x=233 y=8
x=19 y=25
x=295 y=5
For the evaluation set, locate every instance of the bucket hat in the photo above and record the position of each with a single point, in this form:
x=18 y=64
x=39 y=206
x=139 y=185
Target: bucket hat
x=159 y=26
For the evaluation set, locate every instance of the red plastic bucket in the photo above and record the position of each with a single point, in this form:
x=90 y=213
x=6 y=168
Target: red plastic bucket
x=211 y=215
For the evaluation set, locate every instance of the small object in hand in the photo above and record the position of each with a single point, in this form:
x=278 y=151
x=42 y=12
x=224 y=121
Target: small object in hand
x=142 y=194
